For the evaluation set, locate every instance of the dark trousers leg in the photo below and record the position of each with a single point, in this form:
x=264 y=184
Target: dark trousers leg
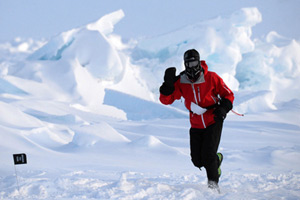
x=204 y=145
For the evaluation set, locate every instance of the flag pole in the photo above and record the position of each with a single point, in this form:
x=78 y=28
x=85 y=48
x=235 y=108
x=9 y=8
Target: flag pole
x=17 y=180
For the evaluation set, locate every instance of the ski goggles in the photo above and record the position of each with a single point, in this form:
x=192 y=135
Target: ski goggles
x=192 y=64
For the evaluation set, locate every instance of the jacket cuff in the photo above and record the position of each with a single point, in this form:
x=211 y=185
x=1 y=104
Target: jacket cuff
x=226 y=104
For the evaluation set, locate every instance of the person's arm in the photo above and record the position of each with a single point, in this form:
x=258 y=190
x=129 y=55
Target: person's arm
x=169 y=90
x=226 y=102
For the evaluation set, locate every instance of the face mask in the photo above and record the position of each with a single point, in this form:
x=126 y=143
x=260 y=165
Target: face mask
x=193 y=70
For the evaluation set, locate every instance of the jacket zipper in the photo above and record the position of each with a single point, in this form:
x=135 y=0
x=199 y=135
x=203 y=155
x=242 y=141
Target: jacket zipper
x=195 y=94
x=203 y=121
x=199 y=94
x=213 y=99
x=202 y=118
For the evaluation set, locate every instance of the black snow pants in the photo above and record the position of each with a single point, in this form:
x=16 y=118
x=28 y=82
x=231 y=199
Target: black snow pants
x=204 y=145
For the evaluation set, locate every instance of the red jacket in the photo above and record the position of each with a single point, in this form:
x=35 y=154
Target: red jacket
x=205 y=92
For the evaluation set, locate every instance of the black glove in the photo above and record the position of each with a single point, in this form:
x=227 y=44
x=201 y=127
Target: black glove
x=170 y=76
x=220 y=114
x=167 y=87
x=222 y=110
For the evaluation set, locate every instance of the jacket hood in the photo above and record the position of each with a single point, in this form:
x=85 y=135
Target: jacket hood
x=204 y=66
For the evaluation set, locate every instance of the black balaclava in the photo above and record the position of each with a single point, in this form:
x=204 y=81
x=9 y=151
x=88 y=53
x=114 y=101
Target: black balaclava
x=192 y=64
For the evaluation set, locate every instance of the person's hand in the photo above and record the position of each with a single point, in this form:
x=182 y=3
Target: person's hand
x=197 y=109
x=170 y=75
x=167 y=87
x=220 y=114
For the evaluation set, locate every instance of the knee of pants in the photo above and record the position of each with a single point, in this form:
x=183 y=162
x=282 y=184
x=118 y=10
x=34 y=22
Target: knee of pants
x=197 y=162
x=208 y=159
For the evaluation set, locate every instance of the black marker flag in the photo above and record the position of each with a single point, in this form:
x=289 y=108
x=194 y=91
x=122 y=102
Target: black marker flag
x=20 y=158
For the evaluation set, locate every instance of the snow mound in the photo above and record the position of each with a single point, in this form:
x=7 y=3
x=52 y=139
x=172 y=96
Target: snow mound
x=286 y=157
x=90 y=46
x=13 y=141
x=105 y=24
x=8 y=88
x=80 y=64
x=245 y=64
x=254 y=102
x=49 y=137
x=221 y=42
x=14 y=117
x=76 y=61
x=152 y=144
x=148 y=141
x=272 y=66
x=140 y=109
x=90 y=135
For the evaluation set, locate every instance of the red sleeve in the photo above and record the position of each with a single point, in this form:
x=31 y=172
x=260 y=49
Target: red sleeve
x=223 y=90
x=174 y=96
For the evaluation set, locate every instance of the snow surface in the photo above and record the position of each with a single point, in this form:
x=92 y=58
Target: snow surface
x=84 y=108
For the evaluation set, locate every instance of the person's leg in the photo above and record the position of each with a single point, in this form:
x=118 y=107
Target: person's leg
x=209 y=150
x=196 y=146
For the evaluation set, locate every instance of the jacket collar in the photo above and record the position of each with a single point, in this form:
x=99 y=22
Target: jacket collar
x=185 y=79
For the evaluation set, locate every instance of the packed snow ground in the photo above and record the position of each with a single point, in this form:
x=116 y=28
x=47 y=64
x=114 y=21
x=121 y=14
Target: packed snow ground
x=84 y=108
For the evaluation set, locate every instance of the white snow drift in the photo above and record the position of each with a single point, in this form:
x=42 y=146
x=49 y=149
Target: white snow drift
x=84 y=108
